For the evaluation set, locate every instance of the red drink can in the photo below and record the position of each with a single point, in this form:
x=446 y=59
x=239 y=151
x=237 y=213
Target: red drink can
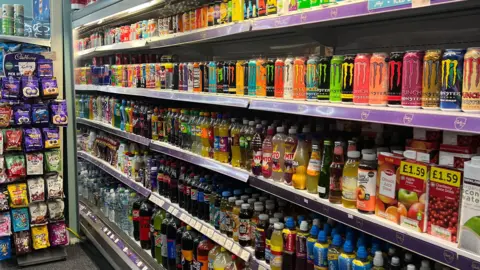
x=198 y=18
x=193 y=19
x=361 y=78
x=118 y=59
x=412 y=79
x=278 y=86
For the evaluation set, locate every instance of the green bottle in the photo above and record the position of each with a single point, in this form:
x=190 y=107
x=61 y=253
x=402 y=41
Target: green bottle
x=336 y=78
x=117 y=114
x=157 y=227
x=315 y=3
x=302 y=4
x=324 y=181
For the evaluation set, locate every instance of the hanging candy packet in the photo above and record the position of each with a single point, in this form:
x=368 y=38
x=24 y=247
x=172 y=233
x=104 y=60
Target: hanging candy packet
x=15 y=166
x=40 y=114
x=4 y=199
x=5 y=224
x=55 y=210
x=49 y=88
x=13 y=139
x=58 y=233
x=10 y=88
x=53 y=161
x=44 y=67
x=58 y=110
x=3 y=176
x=20 y=219
x=34 y=163
x=51 y=136
x=54 y=186
x=40 y=237
x=21 y=114
x=30 y=87
x=38 y=213
x=33 y=139
x=22 y=242
x=5 y=116
x=5 y=248
x=18 y=195
x=36 y=189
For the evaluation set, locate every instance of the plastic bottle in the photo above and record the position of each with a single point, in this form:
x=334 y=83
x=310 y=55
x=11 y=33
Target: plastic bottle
x=207 y=193
x=157 y=226
x=260 y=236
x=395 y=263
x=249 y=132
x=334 y=251
x=235 y=135
x=224 y=146
x=201 y=198
x=187 y=248
x=320 y=253
x=135 y=218
x=171 y=244
x=163 y=237
x=411 y=267
x=301 y=246
x=278 y=153
x=324 y=180
x=242 y=142
x=216 y=134
x=222 y=260
x=290 y=235
x=212 y=254
x=311 y=240
x=267 y=151
x=378 y=261
x=268 y=238
x=216 y=209
x=229 y=222
x=425 y=265
x=244 y=228
x=224 y=219
x=407 y=259
x=336 y=170
x=256 y=148
x=257 y=211
x=290 y=147
x=203 y=249
x=361 y=262
x=367 y=183
x=349 y=180
x=236 y=219
x=178 y=244
x=345 y=260
x=300 y=162
x=276 y=242
x=313 y=169
x=205 y=132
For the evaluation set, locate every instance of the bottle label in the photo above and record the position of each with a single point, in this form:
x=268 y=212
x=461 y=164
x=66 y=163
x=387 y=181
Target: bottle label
x=171 y=249
x=187 y=255
x=260 y=239
x=216 y=143
x=345 y=261
x=349 y=186
x=288 y=160
x=320 y=256
x=188 y=191
x=276 y=162
x=290 y=241
x=257 y=158
x=144 y=223
x=164 y=250
x=314 y=165
x=242 y=142
x=333 y=261
x=276 y=260
x=179 y=254
x=367 y=184
x=135 y=214
x=244 y=229
x=206 y=197
x=266 y=160
x=217 y=216
x=200 y=197
x=184 y=128
x=223 y=144
x=193 y=194
x=236 y=140
x=228 y=222
x=310 y=250
x=301 y=247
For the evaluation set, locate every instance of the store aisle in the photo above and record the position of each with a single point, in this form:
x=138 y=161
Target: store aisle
x=80 y=256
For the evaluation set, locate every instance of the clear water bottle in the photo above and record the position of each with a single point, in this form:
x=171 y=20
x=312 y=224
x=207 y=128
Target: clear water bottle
x=111 y=204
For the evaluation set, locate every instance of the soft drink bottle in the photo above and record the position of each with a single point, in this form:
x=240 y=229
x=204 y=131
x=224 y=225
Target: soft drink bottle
x=135 y=218
x=290 y=147
x=249 y=132
x=216 y=132
x=256 y=148
x=171 y=244
x=300 y=162
x=144 y=224
x=203 y=249
x=235 y=147
x=278 y=152
x=224 y=149
x=205 y=126
x=163 y=238
x=267 y=151
x=187 y=249
x=157 y=226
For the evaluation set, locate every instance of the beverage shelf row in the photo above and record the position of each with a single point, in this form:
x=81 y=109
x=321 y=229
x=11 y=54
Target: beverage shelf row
x=29 y=40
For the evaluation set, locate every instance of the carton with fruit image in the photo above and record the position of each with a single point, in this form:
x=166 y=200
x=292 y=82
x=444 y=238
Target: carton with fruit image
x=412 y=193
x=470 y=213
x=443 y=202
x=388 y=185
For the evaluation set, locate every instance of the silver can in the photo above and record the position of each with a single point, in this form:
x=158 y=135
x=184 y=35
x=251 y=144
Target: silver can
x=18 y=20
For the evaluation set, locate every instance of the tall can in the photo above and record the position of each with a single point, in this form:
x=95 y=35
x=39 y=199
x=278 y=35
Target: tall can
x=336 y=78
x=7 y=19
x=216 y=13
x=220 y=77
x=348 y=72
x=175 y=76
x=252 y=77
x=324 y=64
x=270 y=68
x=299 y=71
x=246 y=77
x=261 y=78
x=211 y=14
x=158 y=71
x=232 y=77
x=279 y=76
x=212 y=77
x=412 y=79
x=204 y=69
x=190 y=77
x=239 y=74
x=431 y=80
x=237 y=10
x=272 y=7
x=378 y=80
x=18 y=20
x=197 y=78
x=169 y=75
x=288 y=78
x=262 y=8
x=452 y=80
x=180 y=77
x=395 y=78
x=361 y=78
x=186 y=78
x=198 y=18
x=225 y=77
x=311 y=78
x=204 y=16
x=471 y=81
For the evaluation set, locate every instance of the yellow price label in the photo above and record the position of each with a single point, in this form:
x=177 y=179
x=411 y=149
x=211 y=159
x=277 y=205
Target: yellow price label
x=413 y=170
x=446 y=176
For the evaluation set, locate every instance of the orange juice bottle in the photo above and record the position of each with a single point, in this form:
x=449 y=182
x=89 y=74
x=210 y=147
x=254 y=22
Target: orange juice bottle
x=299 y=69
x=261 y=78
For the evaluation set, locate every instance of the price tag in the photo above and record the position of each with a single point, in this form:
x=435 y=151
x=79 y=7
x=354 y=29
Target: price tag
x=105 y=229
x=198 y=226
x=139 y=264
x=204 y=230
x=220 y=239
x=350 y=216
x=89 y=213
x=236 y=249
x=193 y=222
x=125 y=250
x=245 y=255
x=108 y=233
x=188 y=219
x=413 y=170
x=446 y=176
x=210 y=233
x=182 y=217
x=175 y=212
x=156 y=200
x=420 y=3
x=170 y=209
x=145 y=268
x=228 y=244
x=116 y=240
x=112 y=236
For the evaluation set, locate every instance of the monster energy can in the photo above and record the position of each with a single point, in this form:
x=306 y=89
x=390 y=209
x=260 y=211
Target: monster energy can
x=312 y=79
x=324 y=78
x=232 y=77
x=336 y=78
x=212 y=77
x=279 y=70
x=378 y=80
x=288 y=78
x=431 y=80
x=452 y=80
x=471 y=81
x=395 y=78
x=270 y=77
x=18 y=20
x=204 y=70
x=225 y=77
x=190 y=77
x=7 y=19
x=412 y=79
x=348 y=78
x=361 y=78
x=245 y=65
x=220 y=77
x=252 y=77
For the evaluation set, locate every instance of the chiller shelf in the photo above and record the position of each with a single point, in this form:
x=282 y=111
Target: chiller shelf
x=115 y=131
x=421 y=243
x=114 y=173
x=35 y=41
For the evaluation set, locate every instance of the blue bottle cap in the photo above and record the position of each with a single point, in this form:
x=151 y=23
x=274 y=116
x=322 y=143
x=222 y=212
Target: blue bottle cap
x=290 y=223
x=300 y=218
x=337 y=240
x=375 y=247
x=202 y=180
x=322 y=237
x=314 y=231
x=347 y=246
x=226 y=194
x=237 y=192
x=362 y=252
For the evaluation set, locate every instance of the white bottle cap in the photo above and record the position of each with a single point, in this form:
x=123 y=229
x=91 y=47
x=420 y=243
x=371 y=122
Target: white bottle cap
x=476 y=160
x=280 y=129
x=425 y=265
x=369 y=156
x=410 y=267
x=353 y=154
x=304 y=226
x=278 y=226
x=395 y=261
x=378 y=259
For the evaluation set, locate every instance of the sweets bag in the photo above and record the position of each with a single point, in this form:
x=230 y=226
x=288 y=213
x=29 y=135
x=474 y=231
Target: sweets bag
x=38 y=213
x=36 y=189
x=40 y=237
x=20 y=219
x=23 y=242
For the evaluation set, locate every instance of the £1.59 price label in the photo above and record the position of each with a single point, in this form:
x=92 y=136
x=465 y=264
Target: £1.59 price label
x=414 y=170
x=446 y=176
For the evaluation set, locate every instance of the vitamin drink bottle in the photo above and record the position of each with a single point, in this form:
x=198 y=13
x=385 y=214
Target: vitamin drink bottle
x=270 y=69
x=471 y=81
x=324 y=78
x=311 y=240
x=212 y=77
x=336 y=78
x=190 y=77
x=267 y=151
x=232 y=77
x=235 y=148
x=334 y=251
x=299 y=70
x=220 y=77
x=276 y=243
x=348 y=72
x=431 y=80
x=313 y=169
x=452 y=80
x=336 y=170
x=412 y=79
x=395 y=79
x=288 y=78
x=252 y=77
x=279 y=77
x=261 y=77
x=290 y=145
x=311 y=78
x=239 y=77
x=289 y=244
x=278 y=154
x=197 y=78
x=378 y=80
x=300 y=162
x=224 y=147
x=367 y=179
x=256 y=148
x=361 y=79
x=204 y=72
x=349 y=180
x=203 y=249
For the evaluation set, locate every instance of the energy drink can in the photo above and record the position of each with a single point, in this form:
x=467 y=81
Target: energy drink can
x=452 y=80
x=471 y=81
x=174 y=20
x=431 y=80
x=378 y=80
x=186 y=21
x=190 y=77
x=361 y=78
x=193 y=19
x=261 y=78
x=237 y=10
x=250 y=9
x=150 y=76
x=288 y=78
x=311 y=78
x=197 y=78
x=246 y=77
x=292 y=5
x=180 y=22
x=262 y=8
x=204 y=16
x=186 y=78
x=279 y=76
x=336 y=78
x=299 y=87
x=212 y=77
x=143 y=76
x=204 y=69
x=232 y=77
x=216 y=13
x=18 y=20
x=223 y=11
x=225 y=77
x=159 y=75
x=324 y=78
x=270 y=66
x=395 y=78
x=272 y=7
x=348 y=72
x=211 y=14
x=169 y=80
x=229 y=11
x=412 y=79
x=7 y=19
x=198 y=18
x=131 y=75
x=220 y=77
x=176 y=76
x=180 y=77
x=252 y=77
x=239 y=74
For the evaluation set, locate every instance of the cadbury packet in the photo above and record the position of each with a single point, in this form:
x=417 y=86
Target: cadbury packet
x=49 y=88
x=30 y=87
x=32 y=139
x=21 y=114
x=51 y=136
x=44 y=67
x=58 y=111
x=40 y=114
x=10 y=88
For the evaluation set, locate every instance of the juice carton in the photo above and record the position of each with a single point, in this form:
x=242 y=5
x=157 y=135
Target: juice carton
x=470 y=210
x=388 y=185
x=426 y=151
x=424 y=134
x=444 y=195
x=454 y=156
x=412 y=192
